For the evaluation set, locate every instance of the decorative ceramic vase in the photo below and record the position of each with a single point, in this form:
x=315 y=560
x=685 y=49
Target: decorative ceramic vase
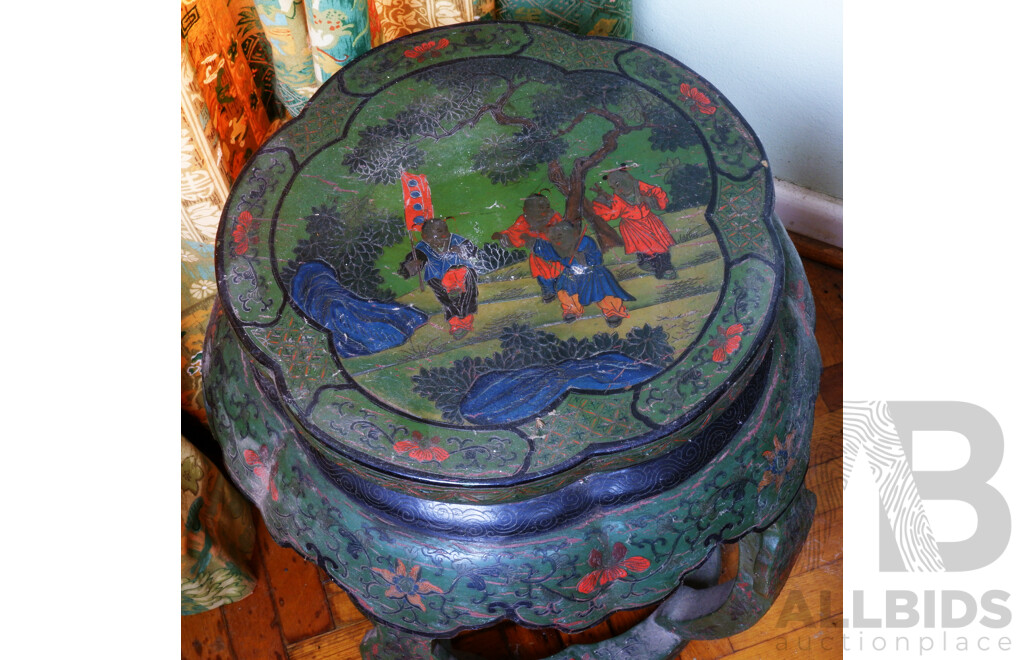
x=508 y=330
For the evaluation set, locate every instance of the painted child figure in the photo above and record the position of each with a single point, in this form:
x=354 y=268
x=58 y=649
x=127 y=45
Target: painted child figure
x=584 y=279
x=446 y=260
x=643 y=232
x=525 y=231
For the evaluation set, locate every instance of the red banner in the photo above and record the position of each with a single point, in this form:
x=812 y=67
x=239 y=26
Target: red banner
x=416 y=195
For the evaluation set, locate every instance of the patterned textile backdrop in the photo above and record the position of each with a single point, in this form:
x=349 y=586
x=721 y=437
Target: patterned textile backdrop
x=220 y=39
x=217 y=536
x=339 y=30
x=311 y=41
x=204 y=189
x=397 y=18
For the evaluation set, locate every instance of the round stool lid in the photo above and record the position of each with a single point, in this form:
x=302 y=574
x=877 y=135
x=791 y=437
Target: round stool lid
x=498 y=256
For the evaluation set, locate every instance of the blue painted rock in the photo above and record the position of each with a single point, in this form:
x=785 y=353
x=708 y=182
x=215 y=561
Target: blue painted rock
x=507 y=329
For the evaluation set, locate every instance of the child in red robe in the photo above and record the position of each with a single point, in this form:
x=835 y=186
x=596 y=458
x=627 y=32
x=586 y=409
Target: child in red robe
x=528 y=228
x=643 y=232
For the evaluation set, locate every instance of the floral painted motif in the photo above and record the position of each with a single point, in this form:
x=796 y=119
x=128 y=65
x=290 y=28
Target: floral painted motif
x=259 y=462
x=605 y=573
x=727 y=342
x=780 y=462
x=202 y=288
x=696 y=99
x=241 y=233
x=405 y=584
x=192 y=474
x=421 y=449
x=427 y=49
x=334 y=22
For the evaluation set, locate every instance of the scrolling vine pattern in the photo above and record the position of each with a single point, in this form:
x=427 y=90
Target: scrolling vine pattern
x=247 y=281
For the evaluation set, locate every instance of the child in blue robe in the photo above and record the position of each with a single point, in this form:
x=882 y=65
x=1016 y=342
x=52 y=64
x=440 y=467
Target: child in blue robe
x=446 y=260
x=584 y=279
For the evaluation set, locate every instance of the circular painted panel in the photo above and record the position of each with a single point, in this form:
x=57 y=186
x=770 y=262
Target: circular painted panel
x=484 y=254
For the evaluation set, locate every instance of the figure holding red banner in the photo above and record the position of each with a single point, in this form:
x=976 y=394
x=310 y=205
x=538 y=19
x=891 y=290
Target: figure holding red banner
x=446 y=261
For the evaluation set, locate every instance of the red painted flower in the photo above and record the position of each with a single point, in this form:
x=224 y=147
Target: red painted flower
x=241 y=233
x=696 y=98
x=260 y=469
x=606 y=573
x=421 y=449
x=407 y=585
x=727 y=342
x=780 y=462
x=426 y=49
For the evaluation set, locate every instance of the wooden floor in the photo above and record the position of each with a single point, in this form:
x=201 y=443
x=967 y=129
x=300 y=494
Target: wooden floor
x=296 y=613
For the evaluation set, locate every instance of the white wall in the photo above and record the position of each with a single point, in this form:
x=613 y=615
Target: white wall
x=779 y=63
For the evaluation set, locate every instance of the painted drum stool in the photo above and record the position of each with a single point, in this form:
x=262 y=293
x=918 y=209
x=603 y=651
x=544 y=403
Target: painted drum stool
x=507 y=330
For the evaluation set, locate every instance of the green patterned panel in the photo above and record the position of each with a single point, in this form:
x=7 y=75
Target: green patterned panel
x=358 y=422
x=368 y=75
x=573 y=53
x=734 y=147
x=302 y=355
x=737 y=213
x=579 y=422
x=247 y=277
x=325 y=117
x=730 y=339
x=605 y=18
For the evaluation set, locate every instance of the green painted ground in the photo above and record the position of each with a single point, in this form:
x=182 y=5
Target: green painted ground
x=511 y=295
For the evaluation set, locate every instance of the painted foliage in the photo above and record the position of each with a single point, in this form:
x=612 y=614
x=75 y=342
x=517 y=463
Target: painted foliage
x=560 y=156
